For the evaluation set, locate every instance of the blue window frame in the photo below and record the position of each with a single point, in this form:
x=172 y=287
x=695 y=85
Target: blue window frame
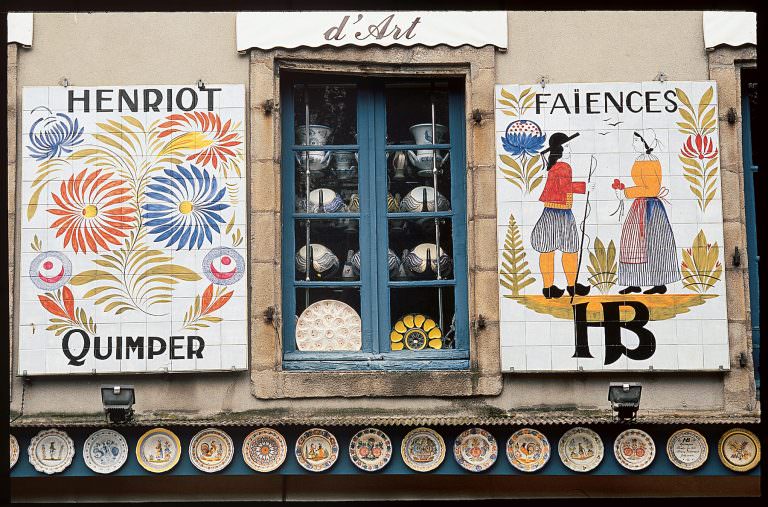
x=361 y=211
x=751 y=191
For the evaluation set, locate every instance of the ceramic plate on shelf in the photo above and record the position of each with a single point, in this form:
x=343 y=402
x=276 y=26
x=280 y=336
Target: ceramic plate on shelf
x=423 y=449
x=317 y=450
x=739 y=450
x=634 y=449
x=580 y=449
x=105 y=451
x=14 y=446
x=528 y=450
x=370 y=449
x=51 y=451
x=211 y=450
x=475 y=450
x=158 y=450
x=329 y=325
x=264 y=450
x=687 y=449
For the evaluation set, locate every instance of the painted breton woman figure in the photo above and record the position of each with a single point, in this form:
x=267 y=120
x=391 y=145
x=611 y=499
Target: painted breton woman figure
x=556 y=228
x=647 y=252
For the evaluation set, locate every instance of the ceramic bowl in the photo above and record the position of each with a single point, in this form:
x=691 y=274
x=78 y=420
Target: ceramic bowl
x=423 y=258
x=393 y=262
x=423 y=199
x=324 y=261
x=325 y=200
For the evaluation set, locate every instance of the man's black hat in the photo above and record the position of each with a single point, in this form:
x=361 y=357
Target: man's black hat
x=556 y=142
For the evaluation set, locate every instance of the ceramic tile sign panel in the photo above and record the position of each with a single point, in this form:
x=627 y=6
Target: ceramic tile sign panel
x=133 y=229
x=610 y=227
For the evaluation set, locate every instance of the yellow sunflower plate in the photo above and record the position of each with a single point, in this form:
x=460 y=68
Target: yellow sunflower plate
x=415 y=332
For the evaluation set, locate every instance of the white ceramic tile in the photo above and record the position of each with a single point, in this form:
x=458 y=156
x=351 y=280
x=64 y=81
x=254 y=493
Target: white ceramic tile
x=31 y=361
x=690 y=357
x=538 y=358
x=512 y=334
x=513 y=358
x=716 y=356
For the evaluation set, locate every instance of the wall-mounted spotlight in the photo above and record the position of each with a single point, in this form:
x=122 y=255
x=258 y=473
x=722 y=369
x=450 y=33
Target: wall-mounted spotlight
x=118 y=403
x=625 y=399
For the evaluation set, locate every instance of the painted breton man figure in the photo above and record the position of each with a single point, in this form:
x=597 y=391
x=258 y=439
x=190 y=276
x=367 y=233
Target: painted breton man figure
x=556 y=228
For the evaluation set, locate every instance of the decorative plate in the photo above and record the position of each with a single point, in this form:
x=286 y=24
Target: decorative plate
x=14 y=446
x=739 y=450
x=634 y=449
x=51 y=451
x=475 y=450
x=211 y=450
x=264 y=450
x=414 y=332
x=370 y=449
x=317 y=450
x=105 y=451
x=158 y=450
x=528 y=450
x=580 y=449
x=687 y=449
x=329 y=325
x=423 y=449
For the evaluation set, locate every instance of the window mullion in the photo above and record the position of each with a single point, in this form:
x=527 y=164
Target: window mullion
x=288 y=207
x=382 y=222
x=367 y=226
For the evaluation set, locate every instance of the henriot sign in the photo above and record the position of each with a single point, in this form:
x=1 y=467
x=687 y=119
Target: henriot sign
x=133 y=228
x=268 y=30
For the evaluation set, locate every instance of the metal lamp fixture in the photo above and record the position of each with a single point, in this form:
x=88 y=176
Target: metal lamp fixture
x=118 y=403
x=625 y=399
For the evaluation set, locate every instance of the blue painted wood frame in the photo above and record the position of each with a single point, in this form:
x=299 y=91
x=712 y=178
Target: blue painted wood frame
x=374 y=283
x=750 y=173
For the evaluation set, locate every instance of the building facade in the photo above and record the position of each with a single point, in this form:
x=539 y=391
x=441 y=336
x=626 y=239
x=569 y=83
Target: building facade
x=348 y=221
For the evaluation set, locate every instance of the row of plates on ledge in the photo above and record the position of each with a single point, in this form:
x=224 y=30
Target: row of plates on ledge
x=423 y=449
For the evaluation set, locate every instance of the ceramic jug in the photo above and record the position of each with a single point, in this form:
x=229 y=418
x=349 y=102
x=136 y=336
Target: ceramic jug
x=318 y=136
x=346 y=164
x=422 y=159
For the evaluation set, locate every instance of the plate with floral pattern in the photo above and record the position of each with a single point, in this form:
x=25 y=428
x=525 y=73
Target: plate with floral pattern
x=739 y=450
x=528 y=450
x=51 y=451
x=687 y=449
x=634 y=449
x=423 y=449
x=370 y=449
x=105 y=451
x=317 y=450
x=475 y=450
x=211 y=450
x=580 y=449
x=264 y=450
x=14 y=446
x=158 y=450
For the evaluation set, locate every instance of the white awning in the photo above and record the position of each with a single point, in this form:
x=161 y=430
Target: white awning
x=729 y=28
x=268 y=30
x=20 y=28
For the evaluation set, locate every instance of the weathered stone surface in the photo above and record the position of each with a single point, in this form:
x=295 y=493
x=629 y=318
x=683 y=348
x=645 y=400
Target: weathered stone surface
x=264 y=181
x=264 y=229
x=484 y=194
x=485 y=244
x=736 y=297
x=485 y=292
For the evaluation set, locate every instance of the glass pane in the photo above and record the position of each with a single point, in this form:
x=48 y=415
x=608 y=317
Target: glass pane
x=332 y=111
x=332 y=181
x=409 y=112
x=334 y=252
x=328 y=320
x=415 y=187
x=413 y=241
x=416 y=319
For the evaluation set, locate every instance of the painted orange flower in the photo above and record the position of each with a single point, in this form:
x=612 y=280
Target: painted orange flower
x=93 y=211
x=202 y=130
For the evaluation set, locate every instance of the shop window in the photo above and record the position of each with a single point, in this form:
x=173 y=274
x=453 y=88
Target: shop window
x=373 y=180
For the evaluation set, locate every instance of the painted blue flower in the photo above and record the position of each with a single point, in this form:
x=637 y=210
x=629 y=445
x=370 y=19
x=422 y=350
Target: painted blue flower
x=53 y=136
x=186 y=207
x=523 y=138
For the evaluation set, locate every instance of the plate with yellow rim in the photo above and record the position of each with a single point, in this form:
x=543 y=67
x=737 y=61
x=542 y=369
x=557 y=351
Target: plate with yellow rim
x=528 y=450
x=158 y=450
x=739 y=450
x=423 y=449
x=264 y=450
x=687 y=449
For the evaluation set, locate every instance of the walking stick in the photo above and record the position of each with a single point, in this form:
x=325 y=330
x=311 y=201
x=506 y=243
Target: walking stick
x=592 y=168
